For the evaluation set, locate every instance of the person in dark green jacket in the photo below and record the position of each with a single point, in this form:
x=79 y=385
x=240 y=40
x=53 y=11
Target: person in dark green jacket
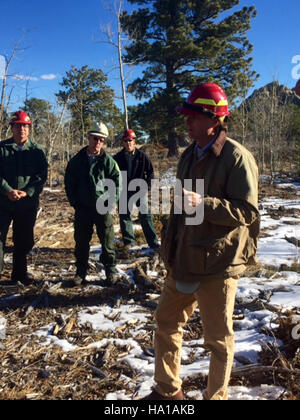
x=86 y=187
x=23 y=173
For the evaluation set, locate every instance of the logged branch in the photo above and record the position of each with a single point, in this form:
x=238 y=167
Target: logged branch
x=255 y=369
x=97 y=372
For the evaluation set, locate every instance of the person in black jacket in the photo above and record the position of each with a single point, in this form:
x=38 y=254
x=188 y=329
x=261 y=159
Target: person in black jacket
x=136 y=166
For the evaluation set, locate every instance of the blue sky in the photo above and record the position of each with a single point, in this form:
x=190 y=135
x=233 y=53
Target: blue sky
x=63 y=33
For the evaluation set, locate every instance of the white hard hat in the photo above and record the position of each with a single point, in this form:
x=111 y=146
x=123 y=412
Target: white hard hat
x=99 y=129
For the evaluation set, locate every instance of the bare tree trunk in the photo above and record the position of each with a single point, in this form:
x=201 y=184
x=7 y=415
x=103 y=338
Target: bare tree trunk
x=4 y=106
x=172 y=144
x=3 y=103
x=272 y=128
x=172 y=114
x=118 y=45
x=52 y=136
x=121 y=67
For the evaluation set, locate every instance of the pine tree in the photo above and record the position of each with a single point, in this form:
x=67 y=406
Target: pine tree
x=39 y=110
x=88 y=99
x=185 y=42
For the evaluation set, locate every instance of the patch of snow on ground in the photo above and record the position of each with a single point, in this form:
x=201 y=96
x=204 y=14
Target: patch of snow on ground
x=263 y=392
x=274 y=249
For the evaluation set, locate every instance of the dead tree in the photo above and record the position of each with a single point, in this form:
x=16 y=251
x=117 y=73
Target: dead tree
x=116 y=40
x=53 y=128
x=4 y=99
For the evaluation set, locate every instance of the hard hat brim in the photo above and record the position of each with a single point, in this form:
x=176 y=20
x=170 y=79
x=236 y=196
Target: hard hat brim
x=190 y=109
x=97 y=134
x=20 y=122
x=185 y=111
x=129 y=137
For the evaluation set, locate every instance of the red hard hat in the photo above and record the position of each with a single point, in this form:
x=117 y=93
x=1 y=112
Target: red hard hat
x=297 y=88
x=20 y=117
x=129 y=134
x=207 y=98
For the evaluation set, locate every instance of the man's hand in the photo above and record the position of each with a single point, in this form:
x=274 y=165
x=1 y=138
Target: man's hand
x=188 y=201
x=191 y=198
x=16 y=195
x=22 y=194
x=13 y=195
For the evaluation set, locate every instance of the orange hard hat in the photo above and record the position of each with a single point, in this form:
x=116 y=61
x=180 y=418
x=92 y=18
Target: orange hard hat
x=206 y=98
x=20 y=117
x=128 y=134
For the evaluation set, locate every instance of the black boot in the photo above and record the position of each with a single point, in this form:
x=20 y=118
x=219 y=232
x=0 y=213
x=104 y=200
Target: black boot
x=19 y=272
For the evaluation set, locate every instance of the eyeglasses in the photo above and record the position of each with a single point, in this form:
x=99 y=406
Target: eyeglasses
x=20 y=126
x=127 y=140
x=95 y=138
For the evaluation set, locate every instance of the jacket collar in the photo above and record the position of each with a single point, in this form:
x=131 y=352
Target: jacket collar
x=132 y=154
x=84 y=153
x=218 y=145
x=11 y=142
x=216 y=148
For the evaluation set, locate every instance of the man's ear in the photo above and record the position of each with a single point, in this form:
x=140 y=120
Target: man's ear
x=217 y=121
x=217 y=125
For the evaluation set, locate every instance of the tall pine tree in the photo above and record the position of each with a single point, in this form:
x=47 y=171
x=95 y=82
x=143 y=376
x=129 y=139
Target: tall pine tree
x=183 y=43
x=88 y=99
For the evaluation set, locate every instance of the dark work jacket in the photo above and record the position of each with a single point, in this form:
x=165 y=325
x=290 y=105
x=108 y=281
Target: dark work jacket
x=24 y=170
x=142 y=167
x=83 y=182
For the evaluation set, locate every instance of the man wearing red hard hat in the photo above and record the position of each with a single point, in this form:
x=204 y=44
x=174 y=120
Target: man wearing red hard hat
x=137 y=166
x=204 y=261
x=23 y=173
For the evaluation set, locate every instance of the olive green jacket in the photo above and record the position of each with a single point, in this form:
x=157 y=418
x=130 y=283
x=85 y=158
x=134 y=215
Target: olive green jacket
x=24 y=170
x=226 y=241
x=84 y=182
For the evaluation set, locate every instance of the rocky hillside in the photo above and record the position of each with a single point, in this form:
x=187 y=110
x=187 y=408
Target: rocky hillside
x=283 y=94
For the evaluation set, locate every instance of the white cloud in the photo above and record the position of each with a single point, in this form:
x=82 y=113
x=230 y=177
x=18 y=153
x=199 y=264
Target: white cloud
x=48 y=76
x=34 y=79
x=22 y=77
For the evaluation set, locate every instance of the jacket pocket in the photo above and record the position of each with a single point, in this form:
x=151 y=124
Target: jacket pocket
x=195 y=259
x=219 y=255
x=210 y=257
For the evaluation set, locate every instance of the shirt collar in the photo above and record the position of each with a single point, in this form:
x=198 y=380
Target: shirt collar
x=25 y=146
x=130 y=154
x=215 y=145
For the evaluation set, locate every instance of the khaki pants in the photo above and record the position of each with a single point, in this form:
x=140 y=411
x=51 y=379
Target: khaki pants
x=216 y=303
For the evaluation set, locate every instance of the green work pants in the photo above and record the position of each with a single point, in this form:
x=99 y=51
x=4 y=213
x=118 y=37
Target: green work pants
x=85 y=220
x=146 y=221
